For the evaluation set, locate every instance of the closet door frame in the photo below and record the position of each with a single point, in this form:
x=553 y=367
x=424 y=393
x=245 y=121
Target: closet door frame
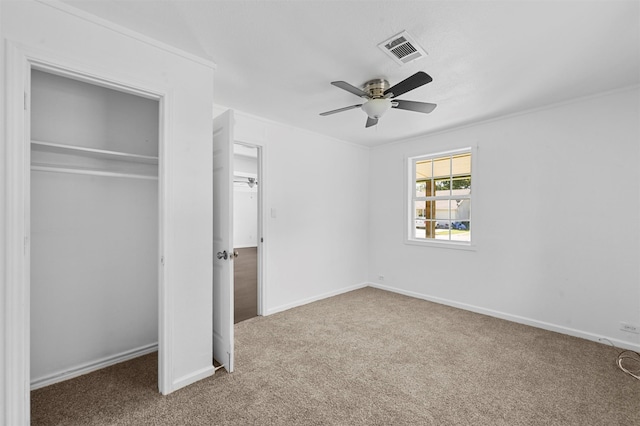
x=20 y=60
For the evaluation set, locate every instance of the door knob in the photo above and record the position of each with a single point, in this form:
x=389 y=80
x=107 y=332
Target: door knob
x=235 y=253
x=222 y=255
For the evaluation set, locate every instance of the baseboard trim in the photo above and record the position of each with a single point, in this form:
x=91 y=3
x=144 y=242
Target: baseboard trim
x=315 y=298
x=183 y=381
x=89 y=367
x=513 y=318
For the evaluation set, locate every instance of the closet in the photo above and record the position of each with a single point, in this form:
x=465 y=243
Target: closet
x=94 y=226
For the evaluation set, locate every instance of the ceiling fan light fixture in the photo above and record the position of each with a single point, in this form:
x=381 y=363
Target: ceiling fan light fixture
x=380 y=96
x=375 y=108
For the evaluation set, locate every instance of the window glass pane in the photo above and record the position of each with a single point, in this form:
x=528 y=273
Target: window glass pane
x=425 y=210
x=429 y=229
x=443 y=224
x=429 y=209
x=418 y=232
x=461 y=185
x=423 y=169
x=461 y=210
x=420 y=186
x=443 y=186
x=420 y=207
x=442 y=229
x=442 y=167
x=424 y=223
x=461 y=164
x=443 y=209
x=460 y=231
x=424 y=188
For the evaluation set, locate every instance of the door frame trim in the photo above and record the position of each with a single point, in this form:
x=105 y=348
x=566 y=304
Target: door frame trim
x=20 y=60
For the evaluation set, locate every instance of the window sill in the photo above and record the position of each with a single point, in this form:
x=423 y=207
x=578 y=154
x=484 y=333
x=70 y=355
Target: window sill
x=442 y=244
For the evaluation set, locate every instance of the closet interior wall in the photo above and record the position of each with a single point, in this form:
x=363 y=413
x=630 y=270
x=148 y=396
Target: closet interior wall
x=94 y=225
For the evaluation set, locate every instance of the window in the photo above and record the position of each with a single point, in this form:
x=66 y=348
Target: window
x=440 y=198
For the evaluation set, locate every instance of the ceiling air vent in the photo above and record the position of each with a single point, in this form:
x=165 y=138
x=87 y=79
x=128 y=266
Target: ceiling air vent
x=402 y=48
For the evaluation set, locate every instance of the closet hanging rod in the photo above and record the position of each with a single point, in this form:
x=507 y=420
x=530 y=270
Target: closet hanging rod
x=40 y=168
x=95 y=152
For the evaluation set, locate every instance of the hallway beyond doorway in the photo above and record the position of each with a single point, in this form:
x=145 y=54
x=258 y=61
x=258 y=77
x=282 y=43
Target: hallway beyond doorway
x=245 y=272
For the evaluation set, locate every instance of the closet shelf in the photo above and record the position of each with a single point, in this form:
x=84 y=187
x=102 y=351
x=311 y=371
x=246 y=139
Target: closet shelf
x=92 y=152
x=84 y=171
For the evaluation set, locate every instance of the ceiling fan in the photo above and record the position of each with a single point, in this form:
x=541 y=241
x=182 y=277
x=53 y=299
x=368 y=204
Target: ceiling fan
x=380 y=97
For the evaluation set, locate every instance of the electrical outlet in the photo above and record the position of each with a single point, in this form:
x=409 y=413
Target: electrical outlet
x=380 y=277
x=629 y=328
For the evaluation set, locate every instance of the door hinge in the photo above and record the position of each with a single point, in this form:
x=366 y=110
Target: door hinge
x=162 y=260
x=261 y=240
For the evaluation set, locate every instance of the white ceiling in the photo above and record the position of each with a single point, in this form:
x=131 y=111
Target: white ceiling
x=276 y=59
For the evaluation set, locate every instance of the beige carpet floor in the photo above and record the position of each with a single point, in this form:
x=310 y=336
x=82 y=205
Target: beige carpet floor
x=368 y=357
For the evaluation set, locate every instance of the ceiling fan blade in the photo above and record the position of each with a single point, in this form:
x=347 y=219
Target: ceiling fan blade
x=349 y=88
x=418 y=79
x=414 y=106
x=341 y=109
x=371 y=122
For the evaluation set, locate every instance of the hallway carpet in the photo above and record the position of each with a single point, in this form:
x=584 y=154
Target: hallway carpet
x=245 y=284
x=368 y=357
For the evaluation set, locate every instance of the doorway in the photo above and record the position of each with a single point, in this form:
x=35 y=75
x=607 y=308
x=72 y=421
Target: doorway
x=246 y=233
x=92 y=208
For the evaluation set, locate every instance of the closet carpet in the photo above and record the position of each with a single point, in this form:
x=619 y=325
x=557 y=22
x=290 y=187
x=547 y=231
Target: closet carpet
x=368 y=357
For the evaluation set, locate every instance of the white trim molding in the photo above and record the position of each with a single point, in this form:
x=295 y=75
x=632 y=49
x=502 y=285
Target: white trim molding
x=63 y=7
x=16 y=310
x=315 y=298
x=89 y=367
x=510 y=317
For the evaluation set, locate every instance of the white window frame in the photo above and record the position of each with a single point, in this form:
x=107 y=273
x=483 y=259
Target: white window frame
x=410 y=198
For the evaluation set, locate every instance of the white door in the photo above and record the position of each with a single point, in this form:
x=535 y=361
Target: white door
x=223 y=239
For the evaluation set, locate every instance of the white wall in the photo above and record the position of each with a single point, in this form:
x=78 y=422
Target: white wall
x=245 y=165
x=547 y=252
x=316 y=187
x=245 y=216
x=52 y=32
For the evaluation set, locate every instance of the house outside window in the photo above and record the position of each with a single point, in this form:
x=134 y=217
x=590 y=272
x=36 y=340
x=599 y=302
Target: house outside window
x=439 y=210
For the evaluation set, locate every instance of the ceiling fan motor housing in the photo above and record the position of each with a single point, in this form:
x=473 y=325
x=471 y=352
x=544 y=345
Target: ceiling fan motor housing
x=377 y=105
x=375 y=88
